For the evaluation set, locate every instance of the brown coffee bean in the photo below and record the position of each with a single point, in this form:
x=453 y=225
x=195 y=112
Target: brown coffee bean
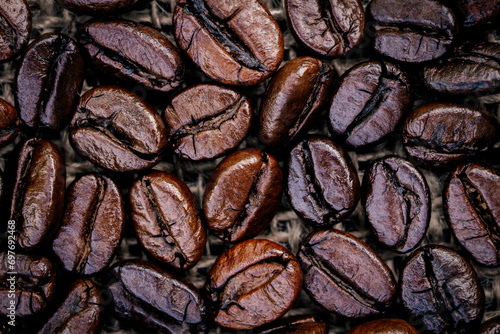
x=102 y=7
x=9 y=123
x=384 y=326
x=296 y=325
x=491 y=326
x=15 y=28
x=476 y=13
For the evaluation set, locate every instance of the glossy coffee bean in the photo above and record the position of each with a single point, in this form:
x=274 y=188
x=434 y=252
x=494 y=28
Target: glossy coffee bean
x=397 y=203
x=166 y=221
x=253 y=283
x=293 y=100
x=92 y=225
x=441 y=291
x=235 y=43
x=368 y=102
x=118 y=131
x=475 y=13
x=206 y=121
x=111 y=47
x=327 y=28
x=344 y=275
x=102 y=7
x=384 y=326
x=322 y=185
x=155 y=301
x=296 y=325
x=491 y=326
x=15 y=28
x=242 y=195
x=48 y=81
x=9 y=123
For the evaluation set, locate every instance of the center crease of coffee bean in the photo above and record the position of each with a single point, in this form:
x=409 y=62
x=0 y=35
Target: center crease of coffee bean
x=331 y=23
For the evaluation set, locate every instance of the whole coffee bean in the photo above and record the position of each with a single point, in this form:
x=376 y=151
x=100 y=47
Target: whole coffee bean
x=38 y=196
x=102 y=7
x=412 y=31
x=384 y=326
x=368 y=102
x=397 y=203
x=293 y=100
x=156 y=301
x=344 y=275
x=438 y=135
x=491 y=326
x=242 y=195
x=322 y=185
x=206 y=121
x=15 y=28
x=9 y=123
x=296 y=325
x=166 y=221
x=112 y=47
x=328 y=28
x=92 y=225
x=118 y=131
x=253 y=283
x=48 y=81
x=475 y=13
x=235 y=43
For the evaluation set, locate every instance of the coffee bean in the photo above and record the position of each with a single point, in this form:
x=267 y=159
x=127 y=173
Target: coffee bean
x=491 y=326
x=344 y=275
x=475 y=13
x=242 y=195
x=253 y=283
x=296 y=325
x=15 y=28
x=102 y=7
x=1 y=189
x=384 y=326
x=9 y=123
x=166 y=220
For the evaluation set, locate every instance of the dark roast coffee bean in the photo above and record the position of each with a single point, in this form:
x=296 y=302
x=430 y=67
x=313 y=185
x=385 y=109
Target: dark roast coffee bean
x=397 y=203
x=112 y=47
x=344 y=275
x=48 y=82
x=92 y=225
x=33 y=280
x=15 y=28
x=384 y=326
x=235 y=43
x=116 y=130
x=322 y=184
x=9 y=123
x=475 y=13
x=296 y=325
x=328 y=28
x=38 y=197
x=155 y=301
x=253 y=283
x=102 y=7
x=206 y=121
x=293 y=99
x=441 y=291
x=412 y=31
x=439 y=135
x=368 y=102
x=242 y=195
x=166 y=220
x=491 y=326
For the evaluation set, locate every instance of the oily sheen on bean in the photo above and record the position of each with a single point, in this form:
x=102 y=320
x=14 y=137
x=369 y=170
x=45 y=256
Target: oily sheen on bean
x=384 y=326
x=9 y=123
x=295 y=325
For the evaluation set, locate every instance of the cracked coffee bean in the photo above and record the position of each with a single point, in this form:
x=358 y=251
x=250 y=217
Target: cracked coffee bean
x=369 y=102
x=92 y=225
x=234 y=43
x=166 y=221
x=15 y=28
x=48 y=81
x=476 y=13
x=118 y=131
x=296 y=325
x=206 y=121
x=9 y=123
x=344 y=275
x=242 y=195
x=112 y=48
x=323 y=186
x=293 y=100
x=441 y=291
x=397 y=203
x=102 y=7
x=384 y=326
x=252 y=284
x=491 y=326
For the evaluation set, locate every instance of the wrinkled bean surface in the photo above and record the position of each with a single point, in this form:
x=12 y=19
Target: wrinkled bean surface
x=15 y=28
x=9 y=123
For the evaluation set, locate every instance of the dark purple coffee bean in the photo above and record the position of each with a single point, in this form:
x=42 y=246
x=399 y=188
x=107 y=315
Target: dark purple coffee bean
x=295 y=325
x=48 y=82
x=15 y=28
x=9 y=123
x=475 y=13
x=441 y=291
x=384 y=326
x=102 y=7
x=491 y=326
x=369 y=102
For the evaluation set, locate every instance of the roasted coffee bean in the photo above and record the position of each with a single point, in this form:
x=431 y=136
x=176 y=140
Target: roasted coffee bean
x=293 y=100
x=296 y=325
x=48 y=82
x=38 y=197
x=397 y=203
x=475 y=13
x=384 y=326
x=15 y=28
x=9 y=123
x=166 y=220
x=328 y=28
x=491 y=326
x=368 y=102
x=112 y=47
x=156 y=301
x=344 y=275
x=441 y=291
x=253 y=283
x=242 y=195
x=206 y=121
x=116 y=130
x=92 y=225
x=102 y=7
x=1 y=189
x=235 y=43
x=33 y=284
x=438 y=135
x=323 y=186
x=412 y=31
